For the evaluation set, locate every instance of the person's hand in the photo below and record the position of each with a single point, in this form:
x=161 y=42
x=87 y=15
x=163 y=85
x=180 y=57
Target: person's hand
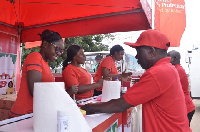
x=107 y=78
x=126 y=77
x=87 y=108
x=72 y=90
x=100 y=82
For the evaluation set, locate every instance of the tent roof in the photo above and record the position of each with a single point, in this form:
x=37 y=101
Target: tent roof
x=71 y=17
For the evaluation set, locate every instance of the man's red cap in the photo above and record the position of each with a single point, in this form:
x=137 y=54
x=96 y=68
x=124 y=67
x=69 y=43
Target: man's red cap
x=151 y=38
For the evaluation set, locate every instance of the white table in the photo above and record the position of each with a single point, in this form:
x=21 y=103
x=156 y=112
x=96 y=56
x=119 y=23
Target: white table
x=26 y=125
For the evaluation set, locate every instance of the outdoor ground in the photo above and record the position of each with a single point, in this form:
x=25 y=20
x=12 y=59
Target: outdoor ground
x=195 y=123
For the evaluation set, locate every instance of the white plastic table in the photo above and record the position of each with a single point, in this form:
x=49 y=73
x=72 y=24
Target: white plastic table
x=26 y=125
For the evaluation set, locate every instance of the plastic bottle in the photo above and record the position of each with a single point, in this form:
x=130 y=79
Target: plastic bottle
x=62 y=121
x=116 y=79
x=124 y=89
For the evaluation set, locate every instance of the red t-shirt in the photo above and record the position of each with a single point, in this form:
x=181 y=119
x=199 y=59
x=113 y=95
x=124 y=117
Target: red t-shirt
x=24 y=102
x=108 y=63
x=77 y=75
x=185 y=87
x=159 y=91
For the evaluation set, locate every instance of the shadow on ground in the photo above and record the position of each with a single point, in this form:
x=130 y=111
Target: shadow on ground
x=195 y=123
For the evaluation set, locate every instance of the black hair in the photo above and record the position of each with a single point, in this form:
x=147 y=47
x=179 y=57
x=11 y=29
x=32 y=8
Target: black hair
x=50 y=36
x=10 y=83
x=98 y=57
x=174 y=54
x=71 y=52
x=115 y=48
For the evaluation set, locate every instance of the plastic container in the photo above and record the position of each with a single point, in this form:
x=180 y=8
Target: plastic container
x=116 y=79
x=83 y=112
x=123 y=89
x=62 y=121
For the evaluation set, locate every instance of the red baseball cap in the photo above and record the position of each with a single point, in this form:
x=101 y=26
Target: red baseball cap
x=151 y=38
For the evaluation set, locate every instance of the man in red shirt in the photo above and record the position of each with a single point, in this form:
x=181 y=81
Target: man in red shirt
x=175 y=60
x=159 y=89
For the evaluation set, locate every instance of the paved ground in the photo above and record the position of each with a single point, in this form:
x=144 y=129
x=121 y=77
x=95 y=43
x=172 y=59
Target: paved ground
x=195 y=123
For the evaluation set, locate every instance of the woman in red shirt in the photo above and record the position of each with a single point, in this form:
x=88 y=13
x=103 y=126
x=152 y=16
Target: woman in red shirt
x=108 y=69
x=36 y=69
x=74 y=75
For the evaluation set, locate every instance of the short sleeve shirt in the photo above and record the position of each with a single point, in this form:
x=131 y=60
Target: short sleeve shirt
x=160 y=92
x=24 y=101
x=108 y=63
x=77 y=75
x=185 y=87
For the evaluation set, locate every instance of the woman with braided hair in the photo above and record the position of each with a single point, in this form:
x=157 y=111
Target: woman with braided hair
x=36 y=69
x=74 y=74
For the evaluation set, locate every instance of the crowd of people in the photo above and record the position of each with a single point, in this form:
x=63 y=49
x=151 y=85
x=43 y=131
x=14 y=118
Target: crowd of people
x=159 y=89
x=162 y=89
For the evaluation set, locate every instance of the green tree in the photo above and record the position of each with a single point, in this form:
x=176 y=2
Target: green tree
x=90 y=43
x=26 y=52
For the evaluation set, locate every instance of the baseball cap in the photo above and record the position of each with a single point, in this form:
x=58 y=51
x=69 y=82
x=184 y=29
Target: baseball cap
x=152 y=38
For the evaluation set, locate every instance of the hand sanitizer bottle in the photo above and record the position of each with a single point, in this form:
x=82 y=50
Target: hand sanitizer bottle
x=62 y=121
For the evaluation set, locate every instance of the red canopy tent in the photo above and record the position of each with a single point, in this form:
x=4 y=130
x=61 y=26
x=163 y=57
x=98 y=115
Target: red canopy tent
x=22 y=20
x=71 y=18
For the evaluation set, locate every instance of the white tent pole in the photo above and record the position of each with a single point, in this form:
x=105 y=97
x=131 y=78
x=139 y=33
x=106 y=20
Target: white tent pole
x=153 y=13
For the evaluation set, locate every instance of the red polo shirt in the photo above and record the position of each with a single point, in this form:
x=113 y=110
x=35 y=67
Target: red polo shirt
x=77 y=75
x=160 y=92
x=108 y=63
x=185 y=87
x=24 y=102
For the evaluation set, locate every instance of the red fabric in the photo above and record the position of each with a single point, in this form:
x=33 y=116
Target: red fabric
x=29 y=45
x=116 y=23
x=77 y=75
x=43 y=11
x=170 y=19
x=24 y=101
x=185 y=87
x=160 y=93
x=78 y=17
x=108 y=63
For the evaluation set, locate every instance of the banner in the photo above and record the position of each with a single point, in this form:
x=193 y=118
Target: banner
x=170 y=19
x=8 y=64
x=146 y=6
